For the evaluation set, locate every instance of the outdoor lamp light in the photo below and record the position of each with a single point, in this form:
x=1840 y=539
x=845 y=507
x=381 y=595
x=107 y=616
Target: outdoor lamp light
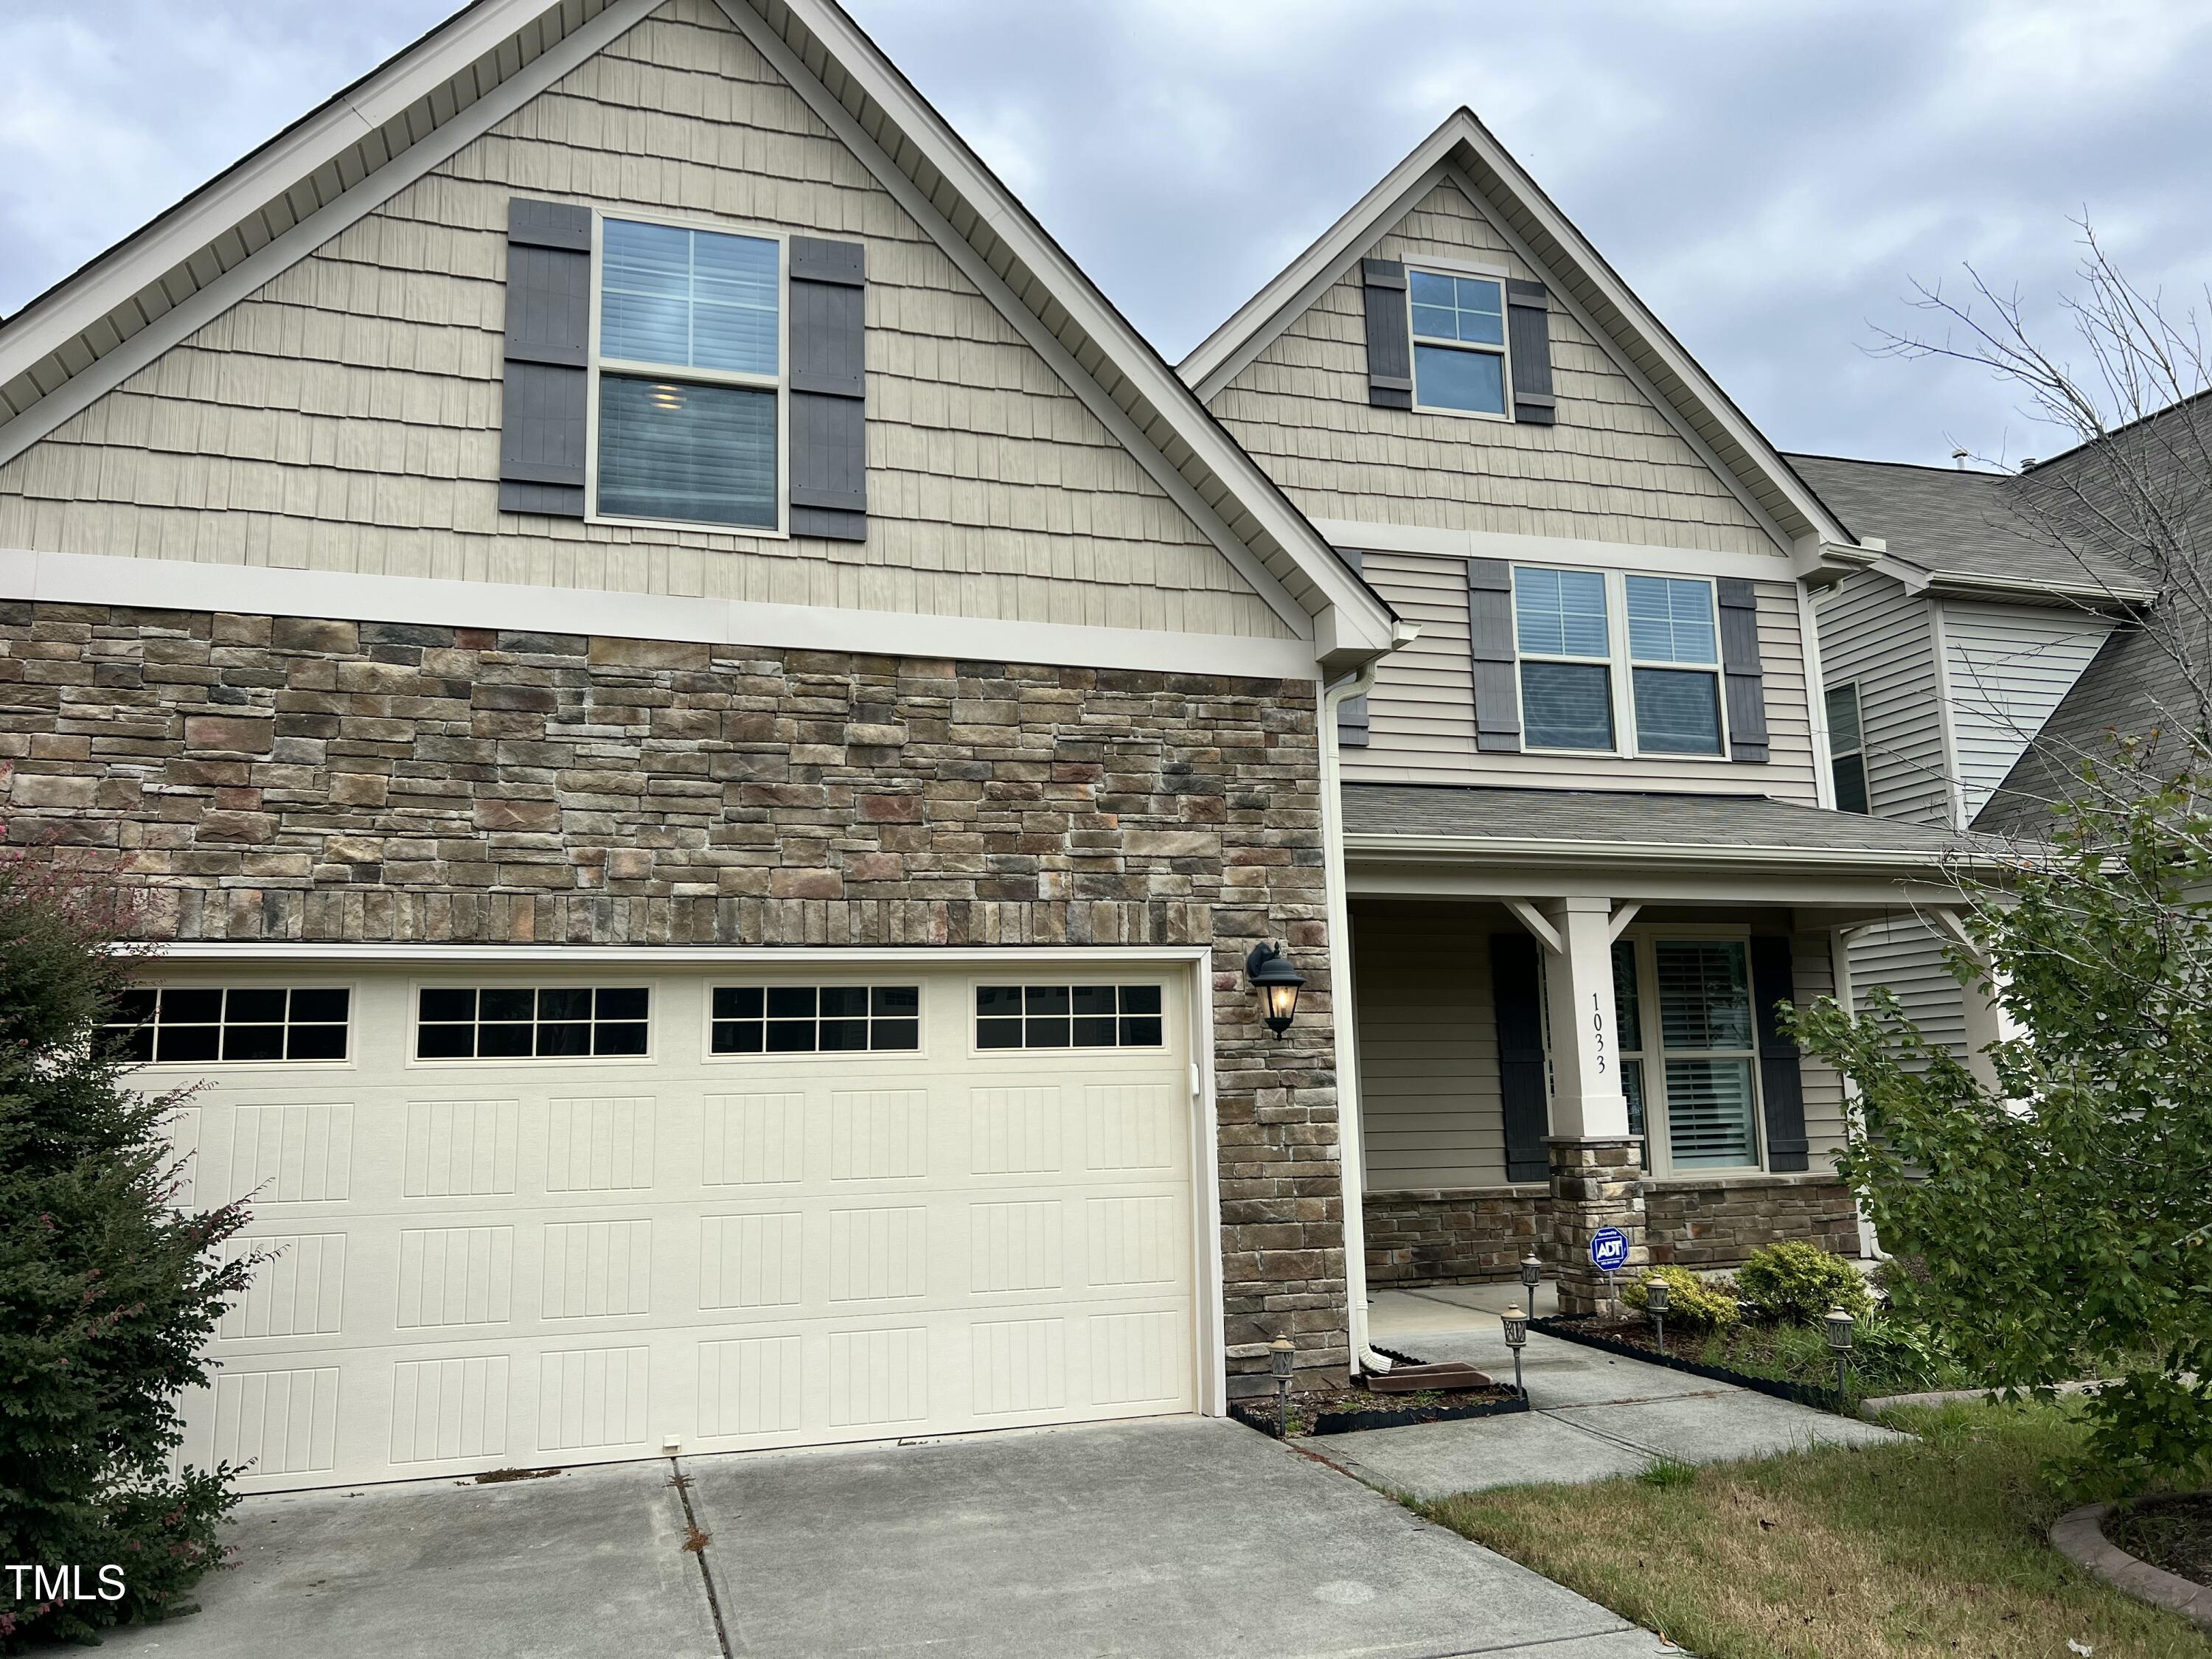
x=1515 y=1320
x=1656 y=1293
x=1282 y=1354
x=1840 y=1326
x=1278 y=983
x=1532 y=1275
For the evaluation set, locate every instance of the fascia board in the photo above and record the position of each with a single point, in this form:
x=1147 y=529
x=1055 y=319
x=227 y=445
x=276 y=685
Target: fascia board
x=2096 y=596
x=917 y=142
x=1478 y=850
x=1226 y=352
x=79 y=302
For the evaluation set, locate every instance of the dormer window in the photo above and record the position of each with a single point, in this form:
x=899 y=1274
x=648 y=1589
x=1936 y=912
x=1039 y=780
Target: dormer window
x=1459 y=342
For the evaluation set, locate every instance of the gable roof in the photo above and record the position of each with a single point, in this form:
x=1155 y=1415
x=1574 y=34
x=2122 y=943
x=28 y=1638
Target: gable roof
x=86 y=334
x=1466 y=152
x=1959 y=530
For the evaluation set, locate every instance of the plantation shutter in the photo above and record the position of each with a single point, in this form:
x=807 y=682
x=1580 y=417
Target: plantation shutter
x=1389 y=336
x=1491 y=655
x=1528 y=339
x=1741 y=671
x=546 y=379
x=1352 y=713
x=1781 y=1074
x=1522 y=1084
x=828 y=389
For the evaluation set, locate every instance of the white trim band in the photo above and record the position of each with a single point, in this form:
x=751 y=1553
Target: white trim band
x=261 y=591
x=1583 y=554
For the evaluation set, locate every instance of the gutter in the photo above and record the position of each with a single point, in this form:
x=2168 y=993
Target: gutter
x=1611 y=855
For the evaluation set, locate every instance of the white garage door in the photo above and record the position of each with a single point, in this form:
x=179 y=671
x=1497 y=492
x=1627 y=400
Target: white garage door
x=515 y=1220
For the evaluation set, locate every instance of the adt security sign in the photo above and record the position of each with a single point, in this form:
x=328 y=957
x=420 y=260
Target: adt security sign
x=1609 y=1250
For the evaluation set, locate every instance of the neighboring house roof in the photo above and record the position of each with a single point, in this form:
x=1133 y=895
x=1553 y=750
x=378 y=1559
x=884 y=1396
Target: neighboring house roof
x=1635 y=825
x=83 y=335
x=1958 y=530
x=1466 y=152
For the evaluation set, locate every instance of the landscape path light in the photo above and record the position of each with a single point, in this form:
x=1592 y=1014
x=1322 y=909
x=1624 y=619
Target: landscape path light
x=1515 y=1320
x=1278 y=981
x=1656 y=1293
x=1282 y=1355
x=1532 y=1275
x=1841 y=1326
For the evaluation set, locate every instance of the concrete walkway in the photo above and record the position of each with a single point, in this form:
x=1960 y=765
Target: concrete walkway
x=1168 y=1537
x=1594 y=1416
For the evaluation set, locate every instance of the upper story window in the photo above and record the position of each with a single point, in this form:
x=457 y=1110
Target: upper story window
x=1565 y=643
x=689 y=376
x=1459 y=342
x=1578 y=669
x=1671 y=622
x=1847 y=748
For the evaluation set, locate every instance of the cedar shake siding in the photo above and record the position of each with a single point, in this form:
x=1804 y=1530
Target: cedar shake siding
x=1612 y=468
x=347 y=416
x=250 y=778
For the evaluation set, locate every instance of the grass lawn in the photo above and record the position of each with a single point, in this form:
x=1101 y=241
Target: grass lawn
x=1897 y=1552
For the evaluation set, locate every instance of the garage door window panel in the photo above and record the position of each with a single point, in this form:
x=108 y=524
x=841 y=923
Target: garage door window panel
x=1068 y=1017
x=502 y=1022
x=209 y=1025
x=816 y=1019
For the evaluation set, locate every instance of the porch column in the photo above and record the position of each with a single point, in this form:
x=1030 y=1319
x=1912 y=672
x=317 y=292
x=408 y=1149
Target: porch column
x=1596 y=1164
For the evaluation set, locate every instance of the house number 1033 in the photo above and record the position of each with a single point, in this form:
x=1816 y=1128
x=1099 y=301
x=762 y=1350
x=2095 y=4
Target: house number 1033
x=1597 y=1030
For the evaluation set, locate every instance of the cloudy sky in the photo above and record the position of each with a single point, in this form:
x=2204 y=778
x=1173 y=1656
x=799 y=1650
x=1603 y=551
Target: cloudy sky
x=1770 y=177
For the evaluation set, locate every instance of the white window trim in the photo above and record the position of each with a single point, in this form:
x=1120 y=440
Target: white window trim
x=1622 y=744
x=779 y=382
x=1502 y=352
x=819 y=980
x=1653 y=1056
x=1630 y=662
x=1622 y=663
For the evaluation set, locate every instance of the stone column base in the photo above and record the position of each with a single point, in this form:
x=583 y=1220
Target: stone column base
x=1596 y=1183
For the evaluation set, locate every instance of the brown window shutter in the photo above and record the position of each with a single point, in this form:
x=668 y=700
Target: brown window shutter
x=828 y=425
x=1491 y=656
x=1528 y=336
x=1741 y=671
x=546 y=379
x=1389 y=336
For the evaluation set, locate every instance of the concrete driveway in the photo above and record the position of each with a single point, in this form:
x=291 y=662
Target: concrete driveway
x=1174 y=1536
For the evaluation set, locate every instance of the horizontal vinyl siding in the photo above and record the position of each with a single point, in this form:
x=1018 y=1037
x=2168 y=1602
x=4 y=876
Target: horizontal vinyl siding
x=346 y=416
x=1907 y=956
x=1813 y=973
x=2009 y=666
x=1421 y=712
x=1875 y=632
x=1613 y=469
x=1430 y=1111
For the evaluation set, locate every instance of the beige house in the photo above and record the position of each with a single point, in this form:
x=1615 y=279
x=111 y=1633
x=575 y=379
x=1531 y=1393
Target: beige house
x=713 y=742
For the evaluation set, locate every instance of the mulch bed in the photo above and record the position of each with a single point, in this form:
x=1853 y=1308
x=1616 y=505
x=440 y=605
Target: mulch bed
x=2174 y=1534
x=1346 y=1410
x=1631 y=1339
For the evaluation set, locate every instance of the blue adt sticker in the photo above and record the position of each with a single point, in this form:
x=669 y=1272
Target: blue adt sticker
x=1609 y=1250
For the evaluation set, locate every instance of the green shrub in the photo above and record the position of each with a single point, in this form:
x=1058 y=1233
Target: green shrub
x=1800 y=1282
x=1694 y=1303
x=108 y=1293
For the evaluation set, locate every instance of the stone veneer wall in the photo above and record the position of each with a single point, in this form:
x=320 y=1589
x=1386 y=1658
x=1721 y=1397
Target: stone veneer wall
x=1719 y=1221
x=1453 y=1237
x=1449 y=1236
x=245 y=777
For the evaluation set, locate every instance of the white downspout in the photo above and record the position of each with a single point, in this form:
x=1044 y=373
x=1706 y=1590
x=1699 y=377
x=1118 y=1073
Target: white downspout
x=1350 y=1151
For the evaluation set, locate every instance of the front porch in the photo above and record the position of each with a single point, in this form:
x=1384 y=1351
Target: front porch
x=1566 y=1019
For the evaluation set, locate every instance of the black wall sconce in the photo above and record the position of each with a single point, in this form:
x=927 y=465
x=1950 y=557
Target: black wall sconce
x=1278 y=983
